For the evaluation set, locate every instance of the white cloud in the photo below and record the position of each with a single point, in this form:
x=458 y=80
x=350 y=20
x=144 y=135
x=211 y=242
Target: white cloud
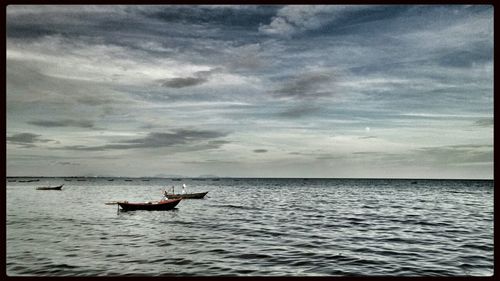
x=97 y=62
x=454 y=35
x=297 y=18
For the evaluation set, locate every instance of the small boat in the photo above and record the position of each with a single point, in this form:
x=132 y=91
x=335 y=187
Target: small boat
x=128 y=180
x=176 y=179
x=50 y=187
x=111 y=180
x=199 y=195
x=162 y=205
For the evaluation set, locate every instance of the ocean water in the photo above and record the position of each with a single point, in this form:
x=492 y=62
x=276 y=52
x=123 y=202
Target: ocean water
x=252 y=227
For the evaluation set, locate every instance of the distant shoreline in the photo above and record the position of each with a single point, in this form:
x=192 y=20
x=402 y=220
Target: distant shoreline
x=240 y=178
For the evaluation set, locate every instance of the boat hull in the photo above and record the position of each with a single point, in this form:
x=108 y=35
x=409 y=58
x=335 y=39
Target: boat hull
x=50 y=187
x=187 y=195
x=151 y=206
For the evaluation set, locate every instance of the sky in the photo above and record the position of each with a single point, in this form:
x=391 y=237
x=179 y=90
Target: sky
x=336 y=91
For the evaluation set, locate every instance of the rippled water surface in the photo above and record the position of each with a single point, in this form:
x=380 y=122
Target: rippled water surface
x=254 y=227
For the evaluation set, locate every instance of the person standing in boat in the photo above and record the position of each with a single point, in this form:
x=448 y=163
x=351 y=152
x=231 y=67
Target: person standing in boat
x=183 y=188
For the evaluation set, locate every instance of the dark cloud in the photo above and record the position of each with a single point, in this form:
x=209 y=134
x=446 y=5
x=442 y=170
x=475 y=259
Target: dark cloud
x=299 y=111
x=199 y=78
x=96 y=100
x=26 y=139
x=454 y=154
x=260 y=150
x=66 y=163
x=467 y=58
x=309 y=85
x=486 y=122
x=211 y=161
x=198 y=139
x=64 y=123
x=368 y=153
x=182 y=82
x=329 y=157
x=236 y=17
x=438 y=156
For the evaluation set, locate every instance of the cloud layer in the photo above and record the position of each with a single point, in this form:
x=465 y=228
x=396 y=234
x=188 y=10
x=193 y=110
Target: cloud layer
x=250 y=90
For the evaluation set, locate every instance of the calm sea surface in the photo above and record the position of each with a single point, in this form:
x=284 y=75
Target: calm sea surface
x=252 y=227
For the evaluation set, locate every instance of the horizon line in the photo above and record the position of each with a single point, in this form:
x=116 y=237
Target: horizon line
x=232 y=177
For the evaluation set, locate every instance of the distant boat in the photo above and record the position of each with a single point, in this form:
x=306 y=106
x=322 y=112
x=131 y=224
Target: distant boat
x=50 y=187
x=111 y=180
x=128 y=180
x=414 y=182
x=162 y=205
x=67 y=180
x=28 y=180
x=145 y=180
x=199 y=195
x=176 y=179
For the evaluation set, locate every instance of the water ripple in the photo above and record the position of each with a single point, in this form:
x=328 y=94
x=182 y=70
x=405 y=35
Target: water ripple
x=250 y=227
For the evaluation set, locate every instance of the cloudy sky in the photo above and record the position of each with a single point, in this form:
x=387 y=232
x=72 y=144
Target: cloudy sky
x=250 y=91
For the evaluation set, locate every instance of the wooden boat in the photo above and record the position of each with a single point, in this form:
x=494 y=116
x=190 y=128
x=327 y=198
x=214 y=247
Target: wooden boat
x=50 y=187
x=162 y=205
x=199 y=195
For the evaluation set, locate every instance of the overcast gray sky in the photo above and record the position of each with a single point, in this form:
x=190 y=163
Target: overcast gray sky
x=250 y=91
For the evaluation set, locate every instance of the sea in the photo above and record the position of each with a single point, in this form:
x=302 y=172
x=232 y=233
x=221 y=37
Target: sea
x=251 y=227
